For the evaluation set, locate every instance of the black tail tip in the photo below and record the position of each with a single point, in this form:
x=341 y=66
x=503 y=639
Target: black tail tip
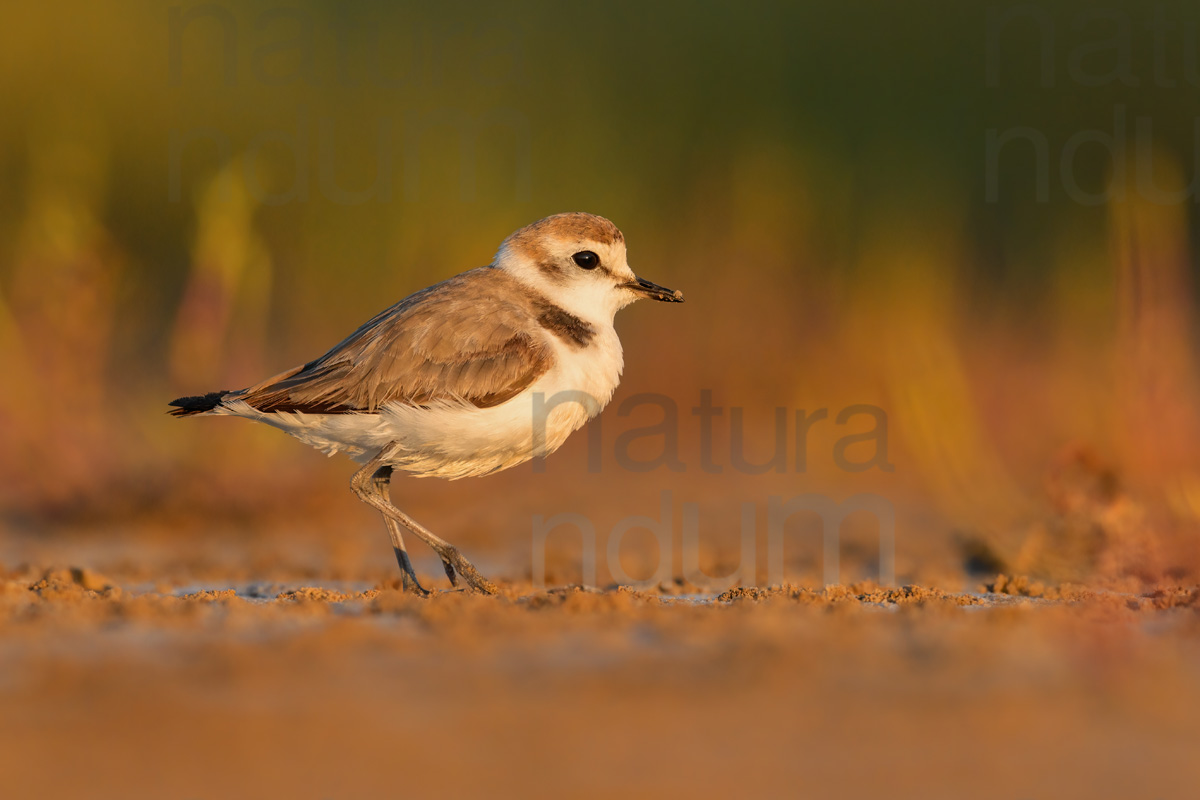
x=186 y=406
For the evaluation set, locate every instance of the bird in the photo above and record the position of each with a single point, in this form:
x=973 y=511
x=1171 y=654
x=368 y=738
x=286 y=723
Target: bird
x=470 y=376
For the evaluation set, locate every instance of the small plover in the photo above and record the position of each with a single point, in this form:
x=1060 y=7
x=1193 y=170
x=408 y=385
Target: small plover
x=470 y=376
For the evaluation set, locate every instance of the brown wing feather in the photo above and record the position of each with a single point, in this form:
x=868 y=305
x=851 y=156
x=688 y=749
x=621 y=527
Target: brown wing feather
x=464 y=339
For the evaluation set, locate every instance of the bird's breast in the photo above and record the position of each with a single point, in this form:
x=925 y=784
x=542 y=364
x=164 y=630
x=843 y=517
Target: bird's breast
x=592 y=373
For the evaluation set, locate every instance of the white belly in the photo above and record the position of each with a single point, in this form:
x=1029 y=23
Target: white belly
x=458 y=440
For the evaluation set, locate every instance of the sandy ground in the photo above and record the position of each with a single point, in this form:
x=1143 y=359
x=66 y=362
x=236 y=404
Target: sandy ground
x=198 y=680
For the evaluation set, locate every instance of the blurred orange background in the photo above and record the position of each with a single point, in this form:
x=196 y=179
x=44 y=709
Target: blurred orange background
x=966 y=229
x=197 y=196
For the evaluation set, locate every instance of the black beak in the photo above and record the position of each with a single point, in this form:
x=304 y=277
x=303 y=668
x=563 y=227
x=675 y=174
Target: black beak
x=655 y=292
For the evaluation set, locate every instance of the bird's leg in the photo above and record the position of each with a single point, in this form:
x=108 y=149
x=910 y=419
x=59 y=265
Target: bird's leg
x=363 y=485
x=381 y=480
x=450 y=573
x=382 y=483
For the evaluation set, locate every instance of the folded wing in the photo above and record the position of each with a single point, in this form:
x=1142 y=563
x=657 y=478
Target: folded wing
x=469 y=339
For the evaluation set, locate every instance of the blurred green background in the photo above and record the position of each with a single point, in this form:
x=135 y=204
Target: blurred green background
x=953 y=211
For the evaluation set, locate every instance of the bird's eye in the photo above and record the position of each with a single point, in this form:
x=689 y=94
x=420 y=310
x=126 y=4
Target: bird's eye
x=586 y=259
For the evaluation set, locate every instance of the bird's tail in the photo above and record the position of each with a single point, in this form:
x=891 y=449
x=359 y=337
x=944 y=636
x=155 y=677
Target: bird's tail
x=199 y=404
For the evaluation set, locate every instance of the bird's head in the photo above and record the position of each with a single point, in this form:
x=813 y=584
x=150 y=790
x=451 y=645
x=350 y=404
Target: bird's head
x=578 y=262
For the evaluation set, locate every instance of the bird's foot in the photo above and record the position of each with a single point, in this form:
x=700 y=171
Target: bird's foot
x=408 y=576
x=454 y=562
x=410 y=585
